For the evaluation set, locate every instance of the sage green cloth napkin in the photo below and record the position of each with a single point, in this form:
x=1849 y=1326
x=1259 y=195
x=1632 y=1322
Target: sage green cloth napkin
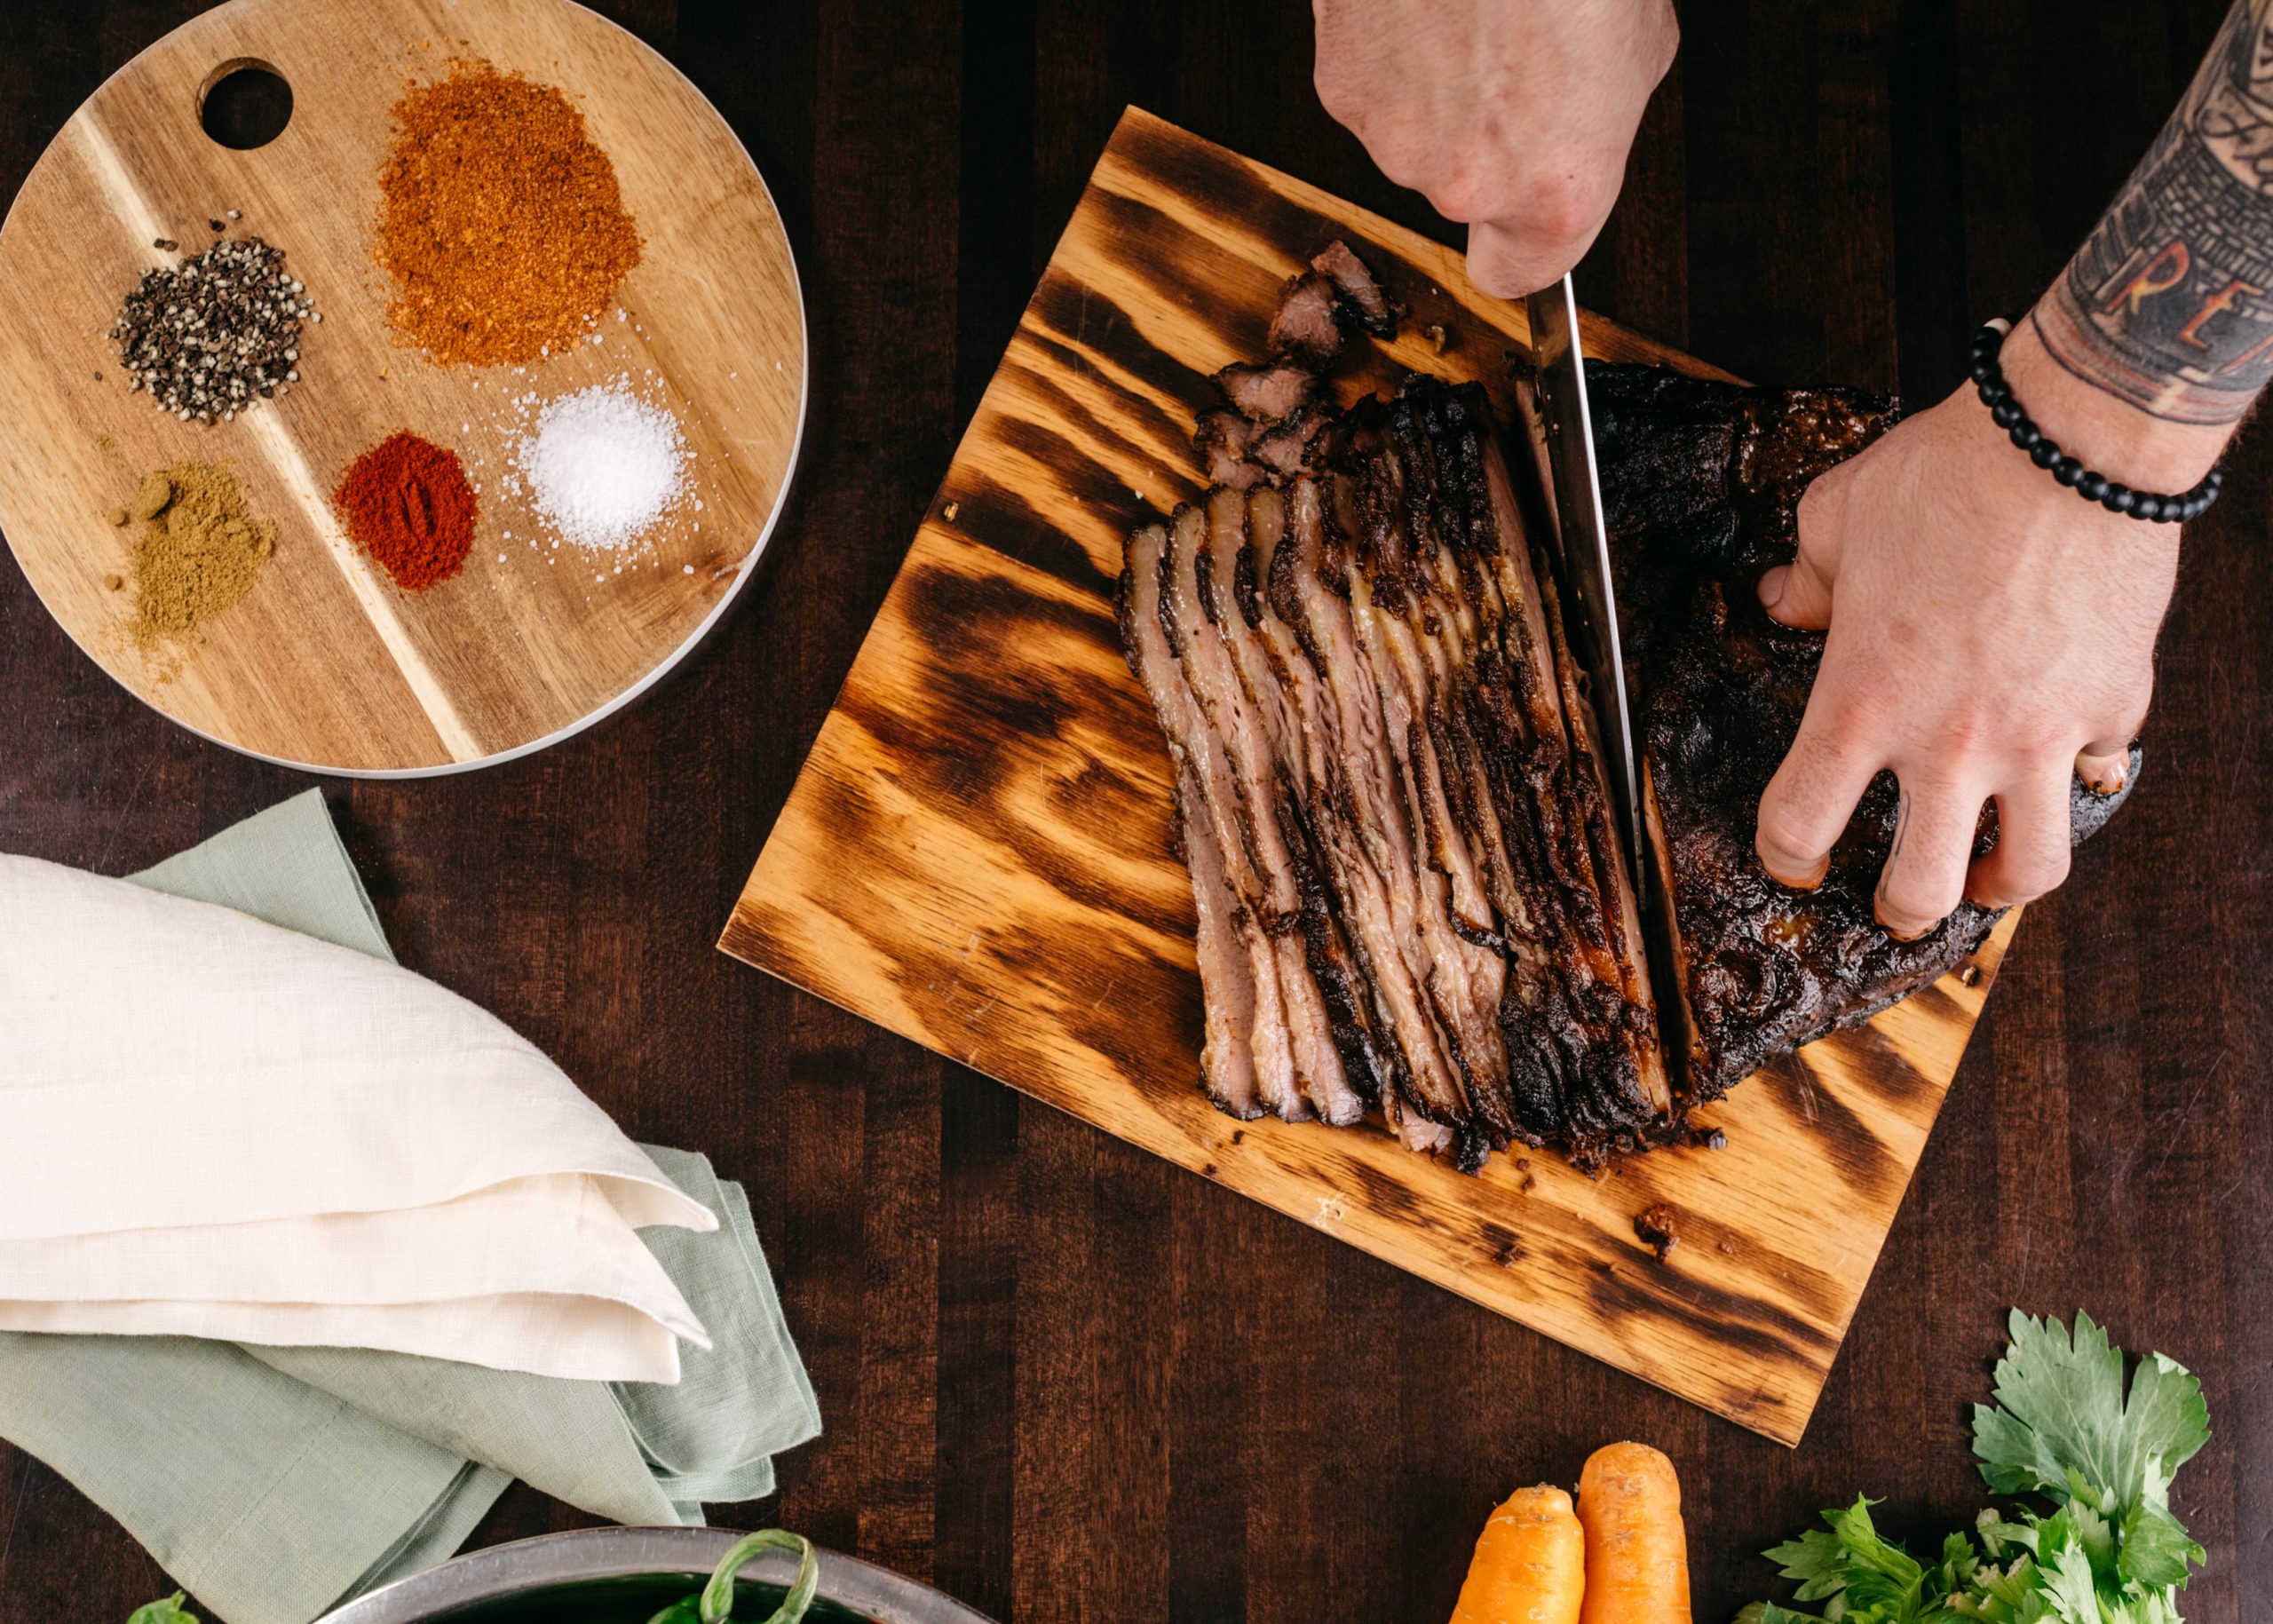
x=275 y=1483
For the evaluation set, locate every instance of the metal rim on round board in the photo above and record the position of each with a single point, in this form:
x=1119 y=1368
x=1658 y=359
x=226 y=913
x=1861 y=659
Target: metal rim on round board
x=529 y=1568
x=761 y=485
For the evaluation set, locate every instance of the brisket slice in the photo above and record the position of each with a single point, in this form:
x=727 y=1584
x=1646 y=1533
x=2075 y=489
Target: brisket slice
x=1220 y=440
x=1702 y=482
x=1525 y=787
x=1268 y=394
x=1305 y=327
x=1275 y=432
x=1259 y=807
x=1232 y=961
x=1308 y=571
x=1360 y=294
x=1389 y=1008
x=1225 y=579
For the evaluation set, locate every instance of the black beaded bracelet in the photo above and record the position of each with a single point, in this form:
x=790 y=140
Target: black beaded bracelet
x=1989 y=381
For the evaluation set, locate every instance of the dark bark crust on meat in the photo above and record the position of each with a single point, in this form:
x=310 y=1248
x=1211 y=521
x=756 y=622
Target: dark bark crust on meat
x=1702 y=482
x=1410 y=889
x=1274 y=432
x=1361 y=295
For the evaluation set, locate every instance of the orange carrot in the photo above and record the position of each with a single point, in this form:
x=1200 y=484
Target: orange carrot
x=1530 y=1564
x=1638 y=1557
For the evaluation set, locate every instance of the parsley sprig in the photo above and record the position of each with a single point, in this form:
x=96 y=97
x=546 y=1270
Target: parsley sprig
x=2109 y=1552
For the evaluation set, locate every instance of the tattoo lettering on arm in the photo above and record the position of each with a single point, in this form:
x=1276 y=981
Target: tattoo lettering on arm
x=2169 y=303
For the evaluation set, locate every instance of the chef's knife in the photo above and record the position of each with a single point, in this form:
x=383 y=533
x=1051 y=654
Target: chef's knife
x=1562 y=381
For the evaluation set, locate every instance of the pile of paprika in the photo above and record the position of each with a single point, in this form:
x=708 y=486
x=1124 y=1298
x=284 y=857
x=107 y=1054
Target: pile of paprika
x=501 y=221
x=407 y=503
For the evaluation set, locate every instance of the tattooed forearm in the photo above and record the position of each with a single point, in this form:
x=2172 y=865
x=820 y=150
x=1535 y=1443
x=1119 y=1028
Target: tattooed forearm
x=2169 y=305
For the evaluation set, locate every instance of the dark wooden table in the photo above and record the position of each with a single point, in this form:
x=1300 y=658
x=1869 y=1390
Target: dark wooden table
x=1063 y=1380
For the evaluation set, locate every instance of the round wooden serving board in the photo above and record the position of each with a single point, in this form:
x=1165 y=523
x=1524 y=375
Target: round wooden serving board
x=325 y=664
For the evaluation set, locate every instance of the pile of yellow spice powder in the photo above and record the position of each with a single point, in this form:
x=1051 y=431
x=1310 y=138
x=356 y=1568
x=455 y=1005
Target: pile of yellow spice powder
x=200 y=550
x=500 y=219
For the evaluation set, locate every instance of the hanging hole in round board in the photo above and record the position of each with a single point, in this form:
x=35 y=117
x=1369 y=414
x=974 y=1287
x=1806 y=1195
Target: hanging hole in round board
x=245 y=103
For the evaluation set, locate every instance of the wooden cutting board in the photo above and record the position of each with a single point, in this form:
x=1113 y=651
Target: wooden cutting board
x=975 y=854
x=326 y=663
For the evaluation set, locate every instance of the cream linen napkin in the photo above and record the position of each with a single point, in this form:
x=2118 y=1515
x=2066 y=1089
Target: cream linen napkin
x=211 y=1126
x=276 y=1482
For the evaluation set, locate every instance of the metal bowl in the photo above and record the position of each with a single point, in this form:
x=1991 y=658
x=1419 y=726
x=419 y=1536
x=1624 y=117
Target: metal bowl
x=626 y=1575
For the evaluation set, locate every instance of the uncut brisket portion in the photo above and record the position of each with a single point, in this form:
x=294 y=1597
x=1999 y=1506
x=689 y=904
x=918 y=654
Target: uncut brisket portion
x=1701 y=489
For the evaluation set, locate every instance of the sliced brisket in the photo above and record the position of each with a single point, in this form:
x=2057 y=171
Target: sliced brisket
x=1268 y=394
x=1407 y=865
x=1304 y=327
x=1232 y=961
x=1361 y=295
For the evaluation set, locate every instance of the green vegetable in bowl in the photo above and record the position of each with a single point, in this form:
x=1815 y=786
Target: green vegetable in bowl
x=2109 y=1553
x=169 y=1611
x=715 y=1602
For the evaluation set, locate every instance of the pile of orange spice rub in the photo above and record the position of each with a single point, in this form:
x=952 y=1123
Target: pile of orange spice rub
x=500 y=221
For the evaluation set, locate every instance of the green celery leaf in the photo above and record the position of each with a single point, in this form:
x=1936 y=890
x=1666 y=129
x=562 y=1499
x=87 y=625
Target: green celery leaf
x=2061 y=1406
x=1997 y=1535
x=2156 y=1550
x=1867 y=1549
x=169 y=1611
x=2001 y=1595
x=1883 y=1580
x=2094 y=1534
x=2065 y=1583
x=1817 y=1560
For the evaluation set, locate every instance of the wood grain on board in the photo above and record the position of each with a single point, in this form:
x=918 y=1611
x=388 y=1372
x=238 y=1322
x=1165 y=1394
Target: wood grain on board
x=975 y=854
x=325 y=664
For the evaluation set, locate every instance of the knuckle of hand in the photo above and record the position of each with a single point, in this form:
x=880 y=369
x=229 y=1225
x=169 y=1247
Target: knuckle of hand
x=1819 y=502
x=2036 y=864
x=1462 y=195
x=1963 y=735
x=1565 y=207
x=1340 y=88
x=2032 y=883
x=1858 y=713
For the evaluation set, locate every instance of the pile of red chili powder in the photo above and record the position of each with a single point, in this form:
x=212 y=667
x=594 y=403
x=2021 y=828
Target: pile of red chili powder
x=407 y=502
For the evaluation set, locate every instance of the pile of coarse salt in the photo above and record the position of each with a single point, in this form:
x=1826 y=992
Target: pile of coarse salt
x=603 y=466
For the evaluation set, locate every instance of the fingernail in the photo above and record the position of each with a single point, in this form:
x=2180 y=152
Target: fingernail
x=2108 y=777
x=1771 y=584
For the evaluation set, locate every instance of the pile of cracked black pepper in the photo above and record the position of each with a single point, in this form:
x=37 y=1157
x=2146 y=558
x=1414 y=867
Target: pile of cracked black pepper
x=207 y=337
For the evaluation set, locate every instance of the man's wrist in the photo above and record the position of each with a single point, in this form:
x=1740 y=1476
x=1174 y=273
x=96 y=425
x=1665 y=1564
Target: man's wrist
x=2107 y=434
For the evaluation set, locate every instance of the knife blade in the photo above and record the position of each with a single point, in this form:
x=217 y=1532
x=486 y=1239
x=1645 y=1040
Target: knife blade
x=1584 y=542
